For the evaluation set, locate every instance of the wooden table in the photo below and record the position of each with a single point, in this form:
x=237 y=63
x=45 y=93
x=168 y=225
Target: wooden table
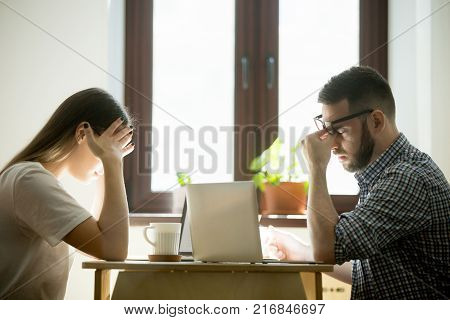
x=197 y=280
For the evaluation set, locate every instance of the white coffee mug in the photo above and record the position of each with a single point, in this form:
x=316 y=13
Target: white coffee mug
x=163 y=237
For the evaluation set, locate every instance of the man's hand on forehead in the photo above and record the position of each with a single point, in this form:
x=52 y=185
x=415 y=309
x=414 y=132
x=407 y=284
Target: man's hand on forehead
x=317 y=149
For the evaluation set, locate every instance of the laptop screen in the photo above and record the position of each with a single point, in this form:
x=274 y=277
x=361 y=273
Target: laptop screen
x=185 y=236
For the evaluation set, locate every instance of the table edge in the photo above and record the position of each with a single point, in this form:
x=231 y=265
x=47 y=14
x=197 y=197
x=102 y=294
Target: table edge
x=199 y=266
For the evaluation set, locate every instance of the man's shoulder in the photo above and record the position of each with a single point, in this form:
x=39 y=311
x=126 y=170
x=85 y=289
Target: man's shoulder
x=414 y=165
x=411 y=161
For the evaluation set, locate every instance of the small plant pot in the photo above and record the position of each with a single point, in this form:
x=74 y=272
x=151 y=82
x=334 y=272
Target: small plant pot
x=286 y=198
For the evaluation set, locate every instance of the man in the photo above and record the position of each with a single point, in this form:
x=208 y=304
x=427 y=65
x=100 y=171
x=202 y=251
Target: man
x=398 y=236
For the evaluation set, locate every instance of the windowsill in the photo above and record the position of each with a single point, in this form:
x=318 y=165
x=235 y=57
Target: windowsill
x=291 y=220
x=282 y=220
x=143 y=219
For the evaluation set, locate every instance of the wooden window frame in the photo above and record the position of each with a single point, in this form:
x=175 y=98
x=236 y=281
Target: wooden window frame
x=255 y=106
x=138 y=95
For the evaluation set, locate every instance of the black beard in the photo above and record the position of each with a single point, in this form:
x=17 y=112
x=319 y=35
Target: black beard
x=365 y=152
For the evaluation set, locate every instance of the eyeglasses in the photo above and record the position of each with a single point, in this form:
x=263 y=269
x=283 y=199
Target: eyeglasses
x=328 y=125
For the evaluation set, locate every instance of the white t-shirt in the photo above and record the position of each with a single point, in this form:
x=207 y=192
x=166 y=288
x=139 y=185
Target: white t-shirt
x=35 y=214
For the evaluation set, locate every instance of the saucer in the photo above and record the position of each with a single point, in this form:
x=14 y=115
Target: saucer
x=164 y=258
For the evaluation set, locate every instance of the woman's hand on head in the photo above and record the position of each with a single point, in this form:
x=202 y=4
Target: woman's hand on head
x=113 y=144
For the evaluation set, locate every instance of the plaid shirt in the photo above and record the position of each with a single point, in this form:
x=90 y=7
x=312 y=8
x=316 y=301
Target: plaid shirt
x=398 y=236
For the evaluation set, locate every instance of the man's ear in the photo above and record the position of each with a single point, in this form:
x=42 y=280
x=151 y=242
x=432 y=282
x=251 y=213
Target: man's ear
x=378 y=121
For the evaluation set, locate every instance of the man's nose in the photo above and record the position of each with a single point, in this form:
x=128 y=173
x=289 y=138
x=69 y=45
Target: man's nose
x=336 y=141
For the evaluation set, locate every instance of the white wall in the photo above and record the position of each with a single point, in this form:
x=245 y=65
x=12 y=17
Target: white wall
x=419 y=73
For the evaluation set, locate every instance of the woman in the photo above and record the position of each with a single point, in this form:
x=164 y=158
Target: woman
x=86 y=137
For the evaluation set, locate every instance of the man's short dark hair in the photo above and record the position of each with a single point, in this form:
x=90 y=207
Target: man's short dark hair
x=363 y=87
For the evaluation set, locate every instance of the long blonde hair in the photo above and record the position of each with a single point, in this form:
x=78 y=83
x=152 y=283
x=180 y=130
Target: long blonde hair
x=56 y=139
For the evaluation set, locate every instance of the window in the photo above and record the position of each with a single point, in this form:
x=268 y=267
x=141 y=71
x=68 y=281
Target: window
x=233 y=70
x=193 y=82
x=317 y=39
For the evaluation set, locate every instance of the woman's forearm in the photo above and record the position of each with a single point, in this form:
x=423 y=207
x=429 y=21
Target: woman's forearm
x=113 y=221
x=99 y=197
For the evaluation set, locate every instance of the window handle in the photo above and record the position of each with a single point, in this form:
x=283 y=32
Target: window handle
x=244 y=65
x=270 y=69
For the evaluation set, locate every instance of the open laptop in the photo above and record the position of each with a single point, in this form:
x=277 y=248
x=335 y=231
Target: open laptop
x=224 y=223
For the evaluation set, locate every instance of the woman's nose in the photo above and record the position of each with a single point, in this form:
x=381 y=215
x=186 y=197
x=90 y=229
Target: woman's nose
x=100 y=171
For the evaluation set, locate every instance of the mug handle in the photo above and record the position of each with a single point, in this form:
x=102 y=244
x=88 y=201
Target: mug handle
x=146 y=237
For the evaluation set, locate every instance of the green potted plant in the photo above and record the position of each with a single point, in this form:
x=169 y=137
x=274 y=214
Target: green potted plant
x=284 y=188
